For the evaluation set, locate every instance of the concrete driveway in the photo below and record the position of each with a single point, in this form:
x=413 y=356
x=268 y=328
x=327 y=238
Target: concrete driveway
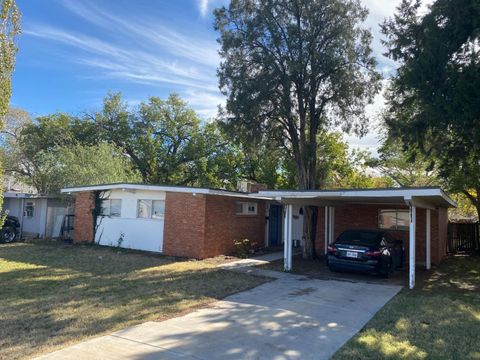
x=292 y=317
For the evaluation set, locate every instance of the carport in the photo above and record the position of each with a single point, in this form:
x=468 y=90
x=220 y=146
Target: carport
x=352 y=205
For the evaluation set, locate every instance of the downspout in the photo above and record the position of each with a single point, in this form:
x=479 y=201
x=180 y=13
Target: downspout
x=22 y=212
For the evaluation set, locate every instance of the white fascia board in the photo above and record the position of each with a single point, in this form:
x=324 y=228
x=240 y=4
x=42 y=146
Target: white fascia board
x=178 y=189
x=405 y=193
x=132 y=187
x=16 y=195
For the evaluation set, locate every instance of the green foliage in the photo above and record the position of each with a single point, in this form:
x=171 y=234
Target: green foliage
x=167 y=143
x=293 y=68
x=50 y=153
x=404 y=166
x=433 y=105
x=243 y=248
x=9 y=29
x=465 y=211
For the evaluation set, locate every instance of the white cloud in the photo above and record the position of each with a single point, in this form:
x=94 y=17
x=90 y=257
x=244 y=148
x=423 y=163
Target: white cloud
x=142 y=51
x=203 y=7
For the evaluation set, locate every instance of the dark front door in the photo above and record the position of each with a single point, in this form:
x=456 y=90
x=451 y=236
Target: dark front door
x=274 y=225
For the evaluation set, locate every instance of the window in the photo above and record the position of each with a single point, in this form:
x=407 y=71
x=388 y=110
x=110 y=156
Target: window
x=393 y=219
x=158 y=207
x=29 y=208
x=111 y=207
x=115 y=208
x=144 y=209
x=151 y=209
x=246 y=208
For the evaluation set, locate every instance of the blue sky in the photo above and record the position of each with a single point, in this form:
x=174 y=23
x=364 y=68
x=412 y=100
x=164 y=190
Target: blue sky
x=72 y=52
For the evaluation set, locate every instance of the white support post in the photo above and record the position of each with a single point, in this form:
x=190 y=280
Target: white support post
x=411 y=265
x=287 y=238
x=331 y=225
x=326 y=229
x=428 y=240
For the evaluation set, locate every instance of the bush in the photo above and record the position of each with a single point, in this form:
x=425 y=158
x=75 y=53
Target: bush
x=243 y=248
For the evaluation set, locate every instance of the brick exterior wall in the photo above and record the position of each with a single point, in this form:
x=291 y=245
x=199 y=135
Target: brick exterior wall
x=366 y=216
x=83 y=220
x=204 y=226
x=184 y=228
x=223 y=226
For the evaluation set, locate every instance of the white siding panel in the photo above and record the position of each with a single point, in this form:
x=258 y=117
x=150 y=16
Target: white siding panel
x=139 y=234
x=128 y=231
x=297 y=223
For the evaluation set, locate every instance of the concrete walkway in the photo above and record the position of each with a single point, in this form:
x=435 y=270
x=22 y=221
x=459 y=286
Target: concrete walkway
x=292 y=317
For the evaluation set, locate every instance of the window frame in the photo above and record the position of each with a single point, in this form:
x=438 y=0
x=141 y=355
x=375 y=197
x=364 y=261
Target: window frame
x=396 y=227
x=29 y=205
x=246 y=208
x=162 y=215
x=108 y=208
x=151 y=207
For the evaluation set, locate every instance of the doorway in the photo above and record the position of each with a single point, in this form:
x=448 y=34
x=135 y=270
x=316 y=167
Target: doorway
x=275 y=225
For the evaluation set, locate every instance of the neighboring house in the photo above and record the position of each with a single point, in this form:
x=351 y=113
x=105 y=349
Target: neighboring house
x=39 y=215
x=200 y=223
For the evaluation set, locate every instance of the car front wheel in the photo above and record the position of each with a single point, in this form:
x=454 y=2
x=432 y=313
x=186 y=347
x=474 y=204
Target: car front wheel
x=8 y=235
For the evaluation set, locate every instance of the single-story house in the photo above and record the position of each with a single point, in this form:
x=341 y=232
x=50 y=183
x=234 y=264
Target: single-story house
x=201 y=223
x=39 y=215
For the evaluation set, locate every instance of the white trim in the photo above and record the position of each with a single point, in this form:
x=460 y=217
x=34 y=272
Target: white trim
x=351 y=194
x=411 y=250
x=428 y=240
x=178 y=189
x=325 y=229
x=287 y=243
x=331 y=225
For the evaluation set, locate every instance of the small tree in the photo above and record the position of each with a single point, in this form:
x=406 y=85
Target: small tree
x=291 y=69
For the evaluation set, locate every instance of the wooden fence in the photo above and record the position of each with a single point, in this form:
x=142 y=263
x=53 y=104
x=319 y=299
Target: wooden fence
x=463 y=237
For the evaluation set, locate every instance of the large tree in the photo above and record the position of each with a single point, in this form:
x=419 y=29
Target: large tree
x=167 y=142
x=404 y=166
x=292 y=68
x=433 y=99
x=54 y=151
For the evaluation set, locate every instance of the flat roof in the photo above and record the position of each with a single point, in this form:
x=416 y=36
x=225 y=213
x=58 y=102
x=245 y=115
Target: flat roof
x=423 y=196
x=24 y=195
x=166 y=188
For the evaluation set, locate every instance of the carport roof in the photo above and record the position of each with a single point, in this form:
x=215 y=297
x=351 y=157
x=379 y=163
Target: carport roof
x=421 y=196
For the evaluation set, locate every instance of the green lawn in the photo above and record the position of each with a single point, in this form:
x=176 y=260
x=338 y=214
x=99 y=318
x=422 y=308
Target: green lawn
x=53 y=295
x=440 y=319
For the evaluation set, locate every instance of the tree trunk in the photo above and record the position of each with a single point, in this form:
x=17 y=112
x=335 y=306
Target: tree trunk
x=477 y=237
x=307 y=181
x=310 y=215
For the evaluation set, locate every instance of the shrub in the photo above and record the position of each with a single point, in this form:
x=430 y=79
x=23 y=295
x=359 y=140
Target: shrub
x=243 y=248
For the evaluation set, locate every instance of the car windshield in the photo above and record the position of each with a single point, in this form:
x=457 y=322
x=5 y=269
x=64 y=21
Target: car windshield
x=367 y=238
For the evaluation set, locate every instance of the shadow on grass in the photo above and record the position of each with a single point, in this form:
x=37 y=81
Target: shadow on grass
x=55 y=294
x=439 y=319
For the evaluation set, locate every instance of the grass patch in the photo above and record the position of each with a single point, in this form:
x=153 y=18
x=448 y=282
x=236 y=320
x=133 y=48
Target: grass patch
x=440 y=319
x=53 y=295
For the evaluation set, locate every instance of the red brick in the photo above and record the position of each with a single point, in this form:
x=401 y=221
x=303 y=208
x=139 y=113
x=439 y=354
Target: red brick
x=83 y=221
x=184 y=228
x=204 y=226
x=366 y=217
